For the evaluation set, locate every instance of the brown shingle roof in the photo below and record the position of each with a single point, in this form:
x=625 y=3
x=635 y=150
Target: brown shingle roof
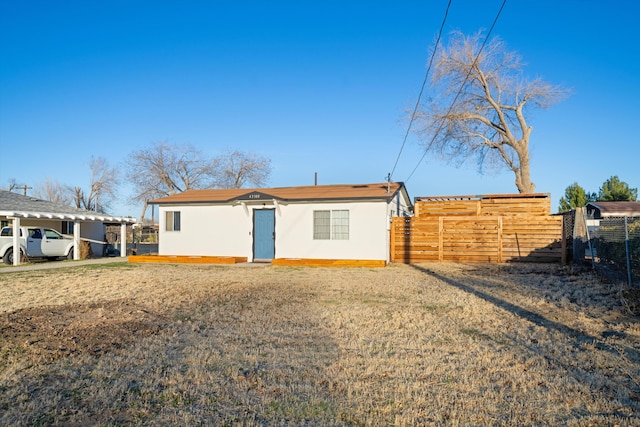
x=617 y=209
x=12 y=204
x=305 y=193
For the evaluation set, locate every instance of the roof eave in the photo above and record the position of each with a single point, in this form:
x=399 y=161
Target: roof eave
x=67 y=216
x=279 y=199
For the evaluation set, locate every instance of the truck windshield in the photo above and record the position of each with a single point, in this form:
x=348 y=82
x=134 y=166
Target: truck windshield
x=8 y=232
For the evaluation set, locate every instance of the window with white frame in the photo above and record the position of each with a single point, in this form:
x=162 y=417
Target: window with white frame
x=331 y=225
x=172 y=221
x=340 y=225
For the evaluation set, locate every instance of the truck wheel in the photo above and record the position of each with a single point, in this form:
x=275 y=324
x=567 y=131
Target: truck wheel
x=8 y=257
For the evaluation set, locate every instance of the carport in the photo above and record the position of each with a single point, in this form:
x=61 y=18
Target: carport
x=14 y=208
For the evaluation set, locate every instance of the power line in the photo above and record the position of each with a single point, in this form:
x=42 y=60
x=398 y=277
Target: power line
x=424 y=82
x=461 y=87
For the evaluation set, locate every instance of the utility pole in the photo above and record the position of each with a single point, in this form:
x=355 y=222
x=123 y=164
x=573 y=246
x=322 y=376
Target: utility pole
x=13 y=185
x=25 y=187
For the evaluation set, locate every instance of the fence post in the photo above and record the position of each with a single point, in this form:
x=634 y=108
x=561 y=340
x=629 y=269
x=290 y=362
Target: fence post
x=627 y=252
x=441 y=238
x=392 y=238
x=579 y=236
x=593 y=261
x=500 y=239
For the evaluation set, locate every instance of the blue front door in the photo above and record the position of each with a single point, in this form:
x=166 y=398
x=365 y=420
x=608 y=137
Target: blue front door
x=264 y=234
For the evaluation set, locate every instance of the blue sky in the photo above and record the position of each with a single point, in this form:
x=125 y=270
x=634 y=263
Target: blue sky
x=320 y=87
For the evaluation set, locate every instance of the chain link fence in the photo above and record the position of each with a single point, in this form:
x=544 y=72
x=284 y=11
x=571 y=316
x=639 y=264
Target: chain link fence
x=144 y=240
x=613 y=247
x=140 y=240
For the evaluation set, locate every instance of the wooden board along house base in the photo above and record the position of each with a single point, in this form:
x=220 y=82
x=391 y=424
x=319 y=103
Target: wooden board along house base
x=176 y=259
x=288 y=262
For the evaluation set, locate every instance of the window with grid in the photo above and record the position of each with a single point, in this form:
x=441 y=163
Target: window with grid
x=172 y=222
x=331 y=225
x=340 y=225
x=321 y=225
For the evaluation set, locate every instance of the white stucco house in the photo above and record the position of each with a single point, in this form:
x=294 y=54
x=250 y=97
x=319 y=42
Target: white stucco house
x=327 y=222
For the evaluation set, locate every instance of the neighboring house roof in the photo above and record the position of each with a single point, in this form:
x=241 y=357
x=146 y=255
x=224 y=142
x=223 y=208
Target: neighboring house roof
x=618 y=209
x=17 y=205
x=383 y=192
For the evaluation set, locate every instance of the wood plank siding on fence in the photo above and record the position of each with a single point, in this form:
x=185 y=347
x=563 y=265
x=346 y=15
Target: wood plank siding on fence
x=496 y=228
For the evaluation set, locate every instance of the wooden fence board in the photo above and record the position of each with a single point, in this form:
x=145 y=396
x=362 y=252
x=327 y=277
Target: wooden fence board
x=488 y=238
x=496 y=205
x=440 y=208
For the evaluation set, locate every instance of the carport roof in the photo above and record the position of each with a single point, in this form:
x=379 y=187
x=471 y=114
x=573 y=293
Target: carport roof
x=17 y=205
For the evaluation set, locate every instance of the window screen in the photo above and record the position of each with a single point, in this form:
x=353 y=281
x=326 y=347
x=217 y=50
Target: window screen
x=321 y=225
x=340 y=225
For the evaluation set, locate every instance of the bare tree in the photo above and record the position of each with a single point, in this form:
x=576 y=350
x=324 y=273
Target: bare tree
x=103 y=188
x=234 y=169
x=13 y=184
x=164 y=169
x=104 y=183
x=480 y=107
x=53 y=191
x=79 y=200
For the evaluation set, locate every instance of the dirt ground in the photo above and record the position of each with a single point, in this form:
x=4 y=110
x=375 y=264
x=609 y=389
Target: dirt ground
x=433 y=344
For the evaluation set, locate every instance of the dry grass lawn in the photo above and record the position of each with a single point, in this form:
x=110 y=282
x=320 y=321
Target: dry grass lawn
x=435 y=344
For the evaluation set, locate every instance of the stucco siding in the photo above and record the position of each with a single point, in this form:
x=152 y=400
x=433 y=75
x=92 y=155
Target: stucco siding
x=227 y=230
x=207 y=230
x=367 y=232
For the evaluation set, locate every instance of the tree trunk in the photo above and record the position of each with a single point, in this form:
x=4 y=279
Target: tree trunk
x=144 y=210
x=523 y=175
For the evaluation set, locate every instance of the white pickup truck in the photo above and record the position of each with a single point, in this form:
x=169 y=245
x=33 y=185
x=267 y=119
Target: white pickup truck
x=35 y=242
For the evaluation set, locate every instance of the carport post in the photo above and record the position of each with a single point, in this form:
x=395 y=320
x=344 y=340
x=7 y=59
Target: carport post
x=123 y=240
x=16 y=241
x=76 y=240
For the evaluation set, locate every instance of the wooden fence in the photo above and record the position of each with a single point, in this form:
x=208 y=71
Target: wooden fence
x=491 y=229
x=487 y=205
x=476 y=239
